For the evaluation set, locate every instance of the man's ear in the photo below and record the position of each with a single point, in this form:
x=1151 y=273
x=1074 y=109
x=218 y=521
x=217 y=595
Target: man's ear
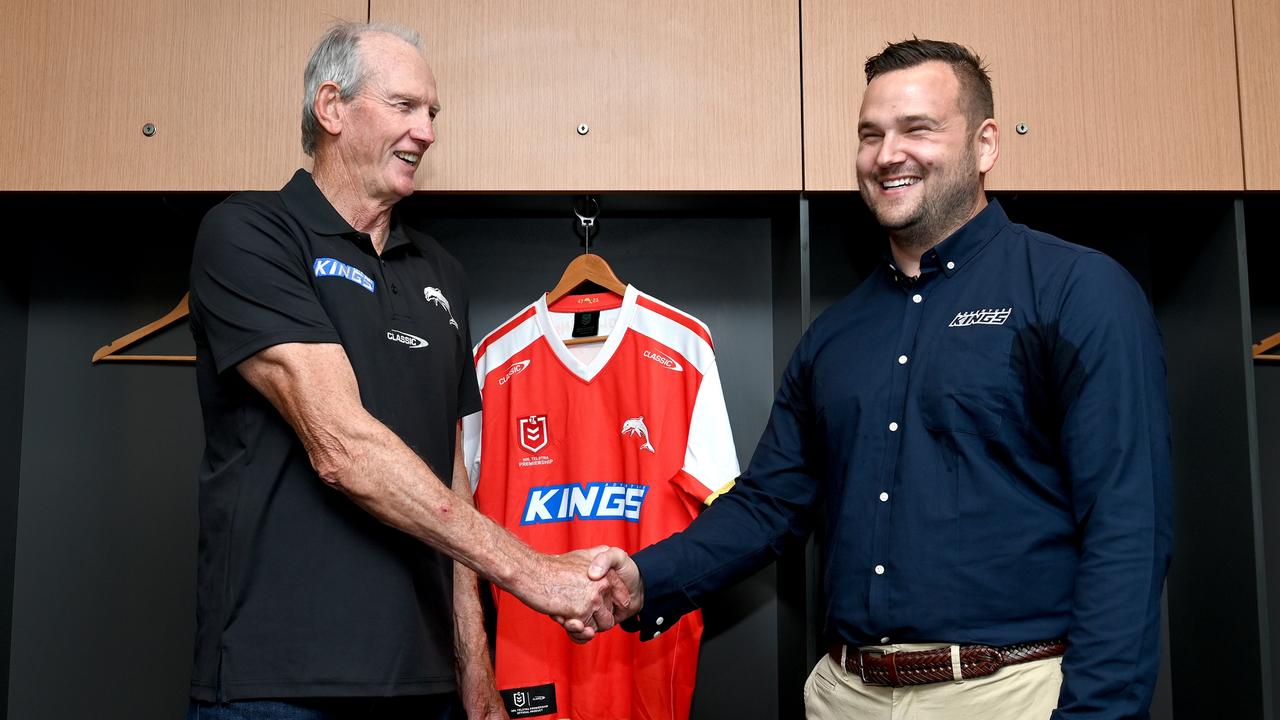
x=988 y=145
x=329 y=108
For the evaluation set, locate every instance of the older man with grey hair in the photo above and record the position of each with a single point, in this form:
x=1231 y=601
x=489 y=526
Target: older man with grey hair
x=338 y=543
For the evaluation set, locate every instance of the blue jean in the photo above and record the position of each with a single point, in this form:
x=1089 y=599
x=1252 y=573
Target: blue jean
x=437 y=707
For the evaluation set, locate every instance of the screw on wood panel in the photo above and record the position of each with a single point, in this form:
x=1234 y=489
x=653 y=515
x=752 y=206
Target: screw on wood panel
x=1022 y=128
x=149 y=129
x=583 y=129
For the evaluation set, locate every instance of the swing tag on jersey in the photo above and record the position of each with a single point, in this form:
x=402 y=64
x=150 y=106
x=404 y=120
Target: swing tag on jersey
x=532 y=701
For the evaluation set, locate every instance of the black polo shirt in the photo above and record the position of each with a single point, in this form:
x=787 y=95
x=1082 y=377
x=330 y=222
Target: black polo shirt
x=300 y=592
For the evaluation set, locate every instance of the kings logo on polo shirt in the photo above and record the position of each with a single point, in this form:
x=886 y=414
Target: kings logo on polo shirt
x=326 y=267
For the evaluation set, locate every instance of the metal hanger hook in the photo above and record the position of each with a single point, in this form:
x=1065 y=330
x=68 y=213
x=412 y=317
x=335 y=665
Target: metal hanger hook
x=587 y=219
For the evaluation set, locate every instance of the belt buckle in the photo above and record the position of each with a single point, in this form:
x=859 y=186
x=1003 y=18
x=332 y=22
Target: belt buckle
x=862 y=665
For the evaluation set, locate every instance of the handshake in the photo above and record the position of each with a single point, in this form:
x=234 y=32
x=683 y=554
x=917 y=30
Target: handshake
x=586 y=591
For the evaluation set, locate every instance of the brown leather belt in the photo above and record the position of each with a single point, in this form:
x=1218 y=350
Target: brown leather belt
x=920 y=667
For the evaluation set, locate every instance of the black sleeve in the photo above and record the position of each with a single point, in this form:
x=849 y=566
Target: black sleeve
x=251 y=286
x=468 y=388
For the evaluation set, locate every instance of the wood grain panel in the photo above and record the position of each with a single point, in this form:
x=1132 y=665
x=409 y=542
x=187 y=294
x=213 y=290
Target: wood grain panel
x=221 y=81
x=1257 y=39
x=677 y=95
x=1135 y=95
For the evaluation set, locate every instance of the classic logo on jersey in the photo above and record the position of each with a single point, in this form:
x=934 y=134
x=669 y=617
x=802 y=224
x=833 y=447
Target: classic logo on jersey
x=663 y=360
x=328 y=267
x=532 y=432
x=986 y=316
x=514 y=370
x=405 y=338
x=593 y=501
x=635 y=428
x=434 y=295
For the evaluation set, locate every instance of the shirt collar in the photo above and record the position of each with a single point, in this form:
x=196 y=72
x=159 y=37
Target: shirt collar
x=953 y=253
x=960 y=247
x=310 y=206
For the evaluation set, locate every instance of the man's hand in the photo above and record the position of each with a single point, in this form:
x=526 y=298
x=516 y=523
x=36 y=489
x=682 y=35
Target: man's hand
x=559 y=586
x=626 y=588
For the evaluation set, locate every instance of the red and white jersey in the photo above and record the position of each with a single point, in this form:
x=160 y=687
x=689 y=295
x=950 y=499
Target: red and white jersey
x=623 y=448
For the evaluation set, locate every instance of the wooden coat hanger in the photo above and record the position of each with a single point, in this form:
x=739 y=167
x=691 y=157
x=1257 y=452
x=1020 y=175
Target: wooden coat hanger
x=586 y=268
x=1260 y=349
x=108 y=352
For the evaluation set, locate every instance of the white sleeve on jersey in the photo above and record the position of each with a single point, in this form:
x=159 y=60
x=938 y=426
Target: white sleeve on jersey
x=472 y=427
x=711 y=456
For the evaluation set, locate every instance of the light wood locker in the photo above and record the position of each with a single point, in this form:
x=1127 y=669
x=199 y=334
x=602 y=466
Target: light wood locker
x=220 y=82
x=1137 y=95
x=1257 y=40
x=668 y=95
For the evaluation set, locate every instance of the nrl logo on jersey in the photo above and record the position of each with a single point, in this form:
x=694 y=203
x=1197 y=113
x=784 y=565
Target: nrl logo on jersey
x=515 y=369
x=433 y=295
x=532 y=432
x=635 y=428
x=593 y=501
x=663 y=360
x=986 y=316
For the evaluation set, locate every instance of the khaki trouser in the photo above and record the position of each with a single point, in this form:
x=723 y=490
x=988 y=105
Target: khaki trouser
x=1028 y=691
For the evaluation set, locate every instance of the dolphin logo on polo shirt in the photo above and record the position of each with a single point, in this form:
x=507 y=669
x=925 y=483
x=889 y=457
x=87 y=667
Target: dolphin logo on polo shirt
x=435 y=296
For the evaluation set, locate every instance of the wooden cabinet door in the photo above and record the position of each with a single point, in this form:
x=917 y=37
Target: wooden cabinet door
x=672 y=94
x=1133 y=95
x=220 y=81
x=1257 y=41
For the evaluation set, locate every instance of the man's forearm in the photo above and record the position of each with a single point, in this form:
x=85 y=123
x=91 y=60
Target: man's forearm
x=315 y=390
x=476 y=684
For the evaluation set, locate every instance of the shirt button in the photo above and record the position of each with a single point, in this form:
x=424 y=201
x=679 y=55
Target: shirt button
x=916 y=298
x=395 y=290
x=893 y=427
x=884 y=640
x=658 y=621
x=884 y=497
x=656 y=633
x=879 y=569
x=951 y=266
x=902 y=359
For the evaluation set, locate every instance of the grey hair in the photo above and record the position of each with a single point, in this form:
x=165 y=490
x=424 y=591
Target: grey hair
x=336 y=58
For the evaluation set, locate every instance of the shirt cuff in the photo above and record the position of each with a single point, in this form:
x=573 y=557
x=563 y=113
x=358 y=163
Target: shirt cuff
x=665 y=600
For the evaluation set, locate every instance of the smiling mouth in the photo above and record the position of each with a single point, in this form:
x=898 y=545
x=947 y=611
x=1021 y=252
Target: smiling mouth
x=408 y=157
x=898 y=183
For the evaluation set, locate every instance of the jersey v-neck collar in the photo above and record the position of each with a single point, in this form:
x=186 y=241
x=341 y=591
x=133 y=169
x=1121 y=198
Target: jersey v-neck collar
x=589 y=370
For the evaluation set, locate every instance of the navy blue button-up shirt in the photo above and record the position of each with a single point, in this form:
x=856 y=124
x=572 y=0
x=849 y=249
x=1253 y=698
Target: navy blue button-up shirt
x=990 y=445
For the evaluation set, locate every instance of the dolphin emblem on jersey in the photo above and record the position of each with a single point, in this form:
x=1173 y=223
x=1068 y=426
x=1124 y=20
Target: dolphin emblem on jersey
x=435 y=296
x=635 y=427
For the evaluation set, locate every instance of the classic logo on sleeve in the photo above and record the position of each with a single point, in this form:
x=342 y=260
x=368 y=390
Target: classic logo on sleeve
x=593 y=501
x=986 y=316
x=329 y=267
x=663 y=360
x=515 y=369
